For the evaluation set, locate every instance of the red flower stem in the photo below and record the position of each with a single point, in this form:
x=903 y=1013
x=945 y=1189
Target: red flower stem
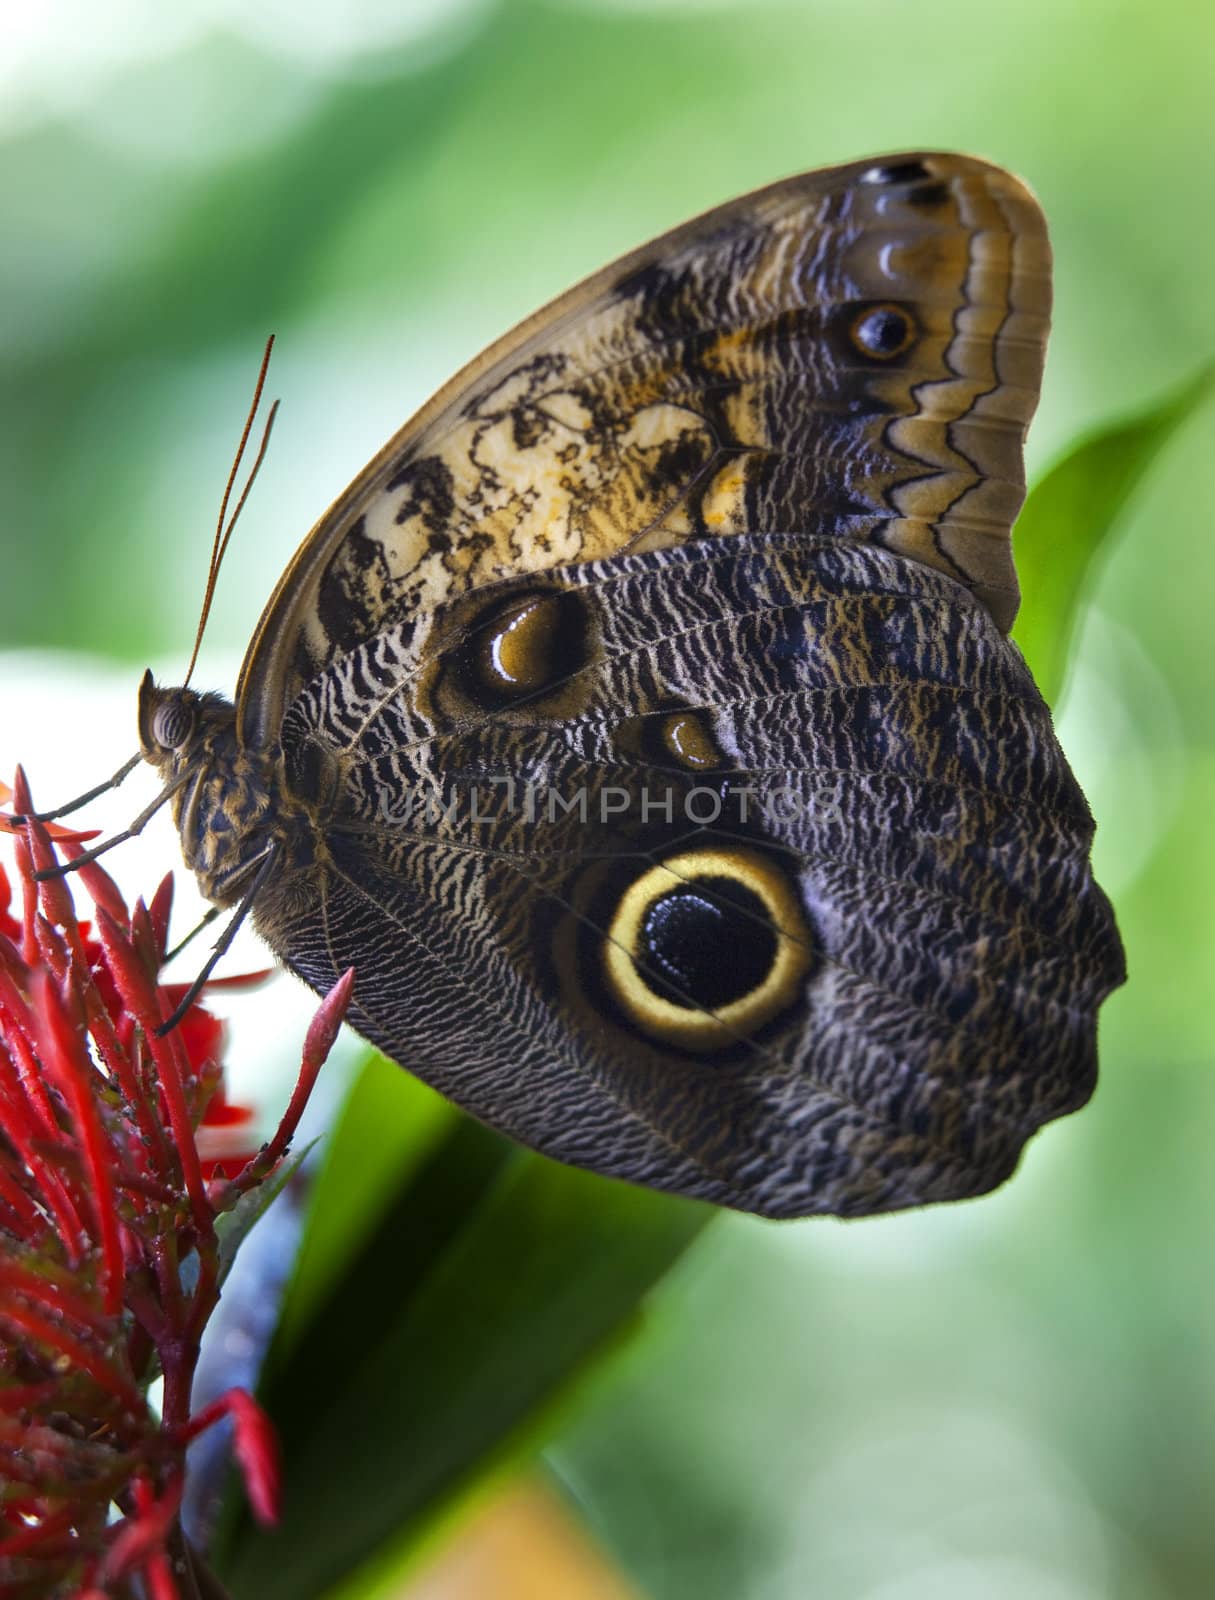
x=76 y=1075
x=140 y=997
x=169 y=1056
x=149 y=1314
x=144 y=938
x=54 y=896
x=179 y=1376
x=178 y=1346
x=57 y=1338
x=33 y=1080
x=25 y=871
x=24 y=1220
x=34 y=1533
x=54 y=956
x=26 y=1143
x=160 y=909
x=168 y=1278
x=210 y=1414
x=138 y=1544
x=322 y=1031
x=35 y=1286
x=254 y=1445
x=153 y=1146
x=15 y=1010
x=159 y=1573
x=25 y=1396
x=21 y=1113
x=158 y=1145
x=136 y=1185
x=97 y=881
x=206 y=1298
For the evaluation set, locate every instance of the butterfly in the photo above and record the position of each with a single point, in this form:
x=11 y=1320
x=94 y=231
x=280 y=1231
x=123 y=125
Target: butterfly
x=642 y=725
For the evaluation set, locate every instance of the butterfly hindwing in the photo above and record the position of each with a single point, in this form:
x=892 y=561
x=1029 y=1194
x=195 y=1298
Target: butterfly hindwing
x=747 y=900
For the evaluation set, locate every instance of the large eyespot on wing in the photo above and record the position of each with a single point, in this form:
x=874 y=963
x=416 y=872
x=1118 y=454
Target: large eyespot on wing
x=854 y=352
x=706 y=947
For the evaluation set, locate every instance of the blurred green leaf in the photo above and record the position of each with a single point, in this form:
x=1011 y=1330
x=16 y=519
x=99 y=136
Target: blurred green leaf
x=1071 y=512
x=483 y=1286
x=390 y=1124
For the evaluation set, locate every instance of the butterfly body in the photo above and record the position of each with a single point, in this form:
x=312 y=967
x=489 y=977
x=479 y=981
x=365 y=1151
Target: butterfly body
x=643 y=728
x=229 y=804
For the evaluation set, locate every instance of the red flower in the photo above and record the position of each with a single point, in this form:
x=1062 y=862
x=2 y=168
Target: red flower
x=110 y=1188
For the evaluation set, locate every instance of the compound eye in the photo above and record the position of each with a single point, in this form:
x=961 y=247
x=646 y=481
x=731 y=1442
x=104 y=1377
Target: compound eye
x=172 y=724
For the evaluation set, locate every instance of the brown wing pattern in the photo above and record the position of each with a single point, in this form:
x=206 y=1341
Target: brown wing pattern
x=854 y=353
x=870 y=951
x=712 y=555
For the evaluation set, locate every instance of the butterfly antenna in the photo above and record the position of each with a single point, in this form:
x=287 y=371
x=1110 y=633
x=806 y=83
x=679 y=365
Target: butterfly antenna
x=224 y=532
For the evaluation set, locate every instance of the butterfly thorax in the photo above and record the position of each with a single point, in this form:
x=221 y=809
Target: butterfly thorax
x=229 y=803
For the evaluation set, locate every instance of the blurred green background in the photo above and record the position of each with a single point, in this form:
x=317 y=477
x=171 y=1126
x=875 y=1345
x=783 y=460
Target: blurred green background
x=1012 y=1397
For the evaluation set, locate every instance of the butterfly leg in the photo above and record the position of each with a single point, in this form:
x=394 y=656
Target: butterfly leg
x=207 y=919
x=136 y=827
x=124 y=772
x=265 y=864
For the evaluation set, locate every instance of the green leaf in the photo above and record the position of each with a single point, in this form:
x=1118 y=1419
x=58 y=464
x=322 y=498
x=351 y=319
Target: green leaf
x=1070 y=514
x=234 y=1227
x=482 y=1288
x=389 y=1123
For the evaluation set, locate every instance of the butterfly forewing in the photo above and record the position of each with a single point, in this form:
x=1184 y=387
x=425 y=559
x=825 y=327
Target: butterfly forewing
x=855 y=352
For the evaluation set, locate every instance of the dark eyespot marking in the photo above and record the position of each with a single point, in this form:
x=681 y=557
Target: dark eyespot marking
x=529 y=644
x=682 y=737
x=897 y=172
x=706 y=943
x=689 y=740
x=882 y=332
x=705 y=948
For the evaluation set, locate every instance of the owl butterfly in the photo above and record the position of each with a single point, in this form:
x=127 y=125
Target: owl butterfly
x=642 y=725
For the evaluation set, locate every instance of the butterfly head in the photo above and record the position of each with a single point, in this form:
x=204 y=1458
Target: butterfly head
x=228 y=802
x=169 y=725
x=167 y=718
